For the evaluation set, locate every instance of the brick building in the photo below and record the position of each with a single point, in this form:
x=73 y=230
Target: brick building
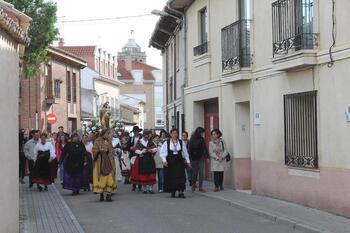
x=56 y=91
x=142 y=83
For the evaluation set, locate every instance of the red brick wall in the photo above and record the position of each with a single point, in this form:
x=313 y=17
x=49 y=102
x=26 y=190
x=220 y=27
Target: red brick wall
x=33 y=99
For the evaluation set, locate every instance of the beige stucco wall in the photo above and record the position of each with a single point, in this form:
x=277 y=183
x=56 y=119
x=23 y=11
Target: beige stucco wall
x=331 y=83
x=9 y=79
x=334 y=97
x=148 y=90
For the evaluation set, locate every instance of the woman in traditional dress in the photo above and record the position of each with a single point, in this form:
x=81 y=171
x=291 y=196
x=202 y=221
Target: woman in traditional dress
x=104 y=166
x=73 y=158
x=125 y=159
x=175 y=157
x=144 y=169
x=87 y=171
x=118 y=153
x=218 y=153
x=44 y=167
x=61 y=142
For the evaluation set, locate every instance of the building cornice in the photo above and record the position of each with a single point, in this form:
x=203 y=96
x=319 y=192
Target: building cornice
x=67 y=56
x=12 y=27
x=116 y=83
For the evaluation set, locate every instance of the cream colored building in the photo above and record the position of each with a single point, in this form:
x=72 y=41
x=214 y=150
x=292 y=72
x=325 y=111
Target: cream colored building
x=277 y=91
x=143 y=83
x=13 y=38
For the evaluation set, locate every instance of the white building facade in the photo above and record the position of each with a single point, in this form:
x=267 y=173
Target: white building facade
x=272 y=77
x=13 y=38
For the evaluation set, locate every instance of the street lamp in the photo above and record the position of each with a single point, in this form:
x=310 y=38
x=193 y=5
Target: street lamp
x=163 y=13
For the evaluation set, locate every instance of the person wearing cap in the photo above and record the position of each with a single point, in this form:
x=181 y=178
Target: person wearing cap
x=144 y=169
x=74 y=158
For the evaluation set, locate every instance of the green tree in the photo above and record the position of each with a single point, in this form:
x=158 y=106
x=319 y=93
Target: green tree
x=42 y=32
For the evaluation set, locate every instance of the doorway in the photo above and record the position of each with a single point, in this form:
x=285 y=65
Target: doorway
x=242 y=145
x=211 y=121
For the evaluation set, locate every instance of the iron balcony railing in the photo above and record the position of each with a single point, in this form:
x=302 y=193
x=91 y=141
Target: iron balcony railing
x=235 y=45
x=292 y=26
x=200 y=49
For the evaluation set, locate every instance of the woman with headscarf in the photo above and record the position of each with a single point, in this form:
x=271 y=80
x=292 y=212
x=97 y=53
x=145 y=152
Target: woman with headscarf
x=44 y=165
x=175 y=157
x=104 y=166
x=74 y=158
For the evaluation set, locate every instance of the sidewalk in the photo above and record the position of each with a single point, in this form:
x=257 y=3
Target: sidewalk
x=294 y=215
x=45 y=212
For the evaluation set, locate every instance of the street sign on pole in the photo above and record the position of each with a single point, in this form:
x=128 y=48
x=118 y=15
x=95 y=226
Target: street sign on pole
x=51 y=118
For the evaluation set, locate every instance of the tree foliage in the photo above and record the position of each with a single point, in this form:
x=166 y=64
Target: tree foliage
x=42 y=32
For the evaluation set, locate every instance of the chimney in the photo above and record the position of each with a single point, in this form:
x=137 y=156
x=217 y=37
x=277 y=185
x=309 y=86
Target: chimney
x=61 y=42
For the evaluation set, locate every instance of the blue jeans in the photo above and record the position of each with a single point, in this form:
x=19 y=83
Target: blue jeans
x=160 y=175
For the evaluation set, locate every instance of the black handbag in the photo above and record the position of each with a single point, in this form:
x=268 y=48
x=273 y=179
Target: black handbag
x=228 y=156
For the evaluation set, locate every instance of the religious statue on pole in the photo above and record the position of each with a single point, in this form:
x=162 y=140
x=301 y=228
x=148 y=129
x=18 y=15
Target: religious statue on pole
x=105 y=114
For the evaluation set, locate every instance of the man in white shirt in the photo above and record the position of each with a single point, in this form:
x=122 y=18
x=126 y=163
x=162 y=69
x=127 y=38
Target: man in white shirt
x=29 y=152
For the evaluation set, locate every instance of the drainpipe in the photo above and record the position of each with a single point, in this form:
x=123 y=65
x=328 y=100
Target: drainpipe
x=185 y=81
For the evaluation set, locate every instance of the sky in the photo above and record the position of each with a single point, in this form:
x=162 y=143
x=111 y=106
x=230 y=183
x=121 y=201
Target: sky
x=110 y=35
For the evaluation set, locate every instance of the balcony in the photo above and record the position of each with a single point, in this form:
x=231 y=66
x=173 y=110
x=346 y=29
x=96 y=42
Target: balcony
x=200 y=49
x=235 y=46
x=49 y=100
x=294 y=41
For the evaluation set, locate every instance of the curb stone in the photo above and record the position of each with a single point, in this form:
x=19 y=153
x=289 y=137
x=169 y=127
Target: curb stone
x=271 y=216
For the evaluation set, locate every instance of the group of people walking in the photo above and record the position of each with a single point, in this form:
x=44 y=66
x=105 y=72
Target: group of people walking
x=143 y=159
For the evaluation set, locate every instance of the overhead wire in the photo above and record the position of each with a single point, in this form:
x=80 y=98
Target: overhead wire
x=104 y=19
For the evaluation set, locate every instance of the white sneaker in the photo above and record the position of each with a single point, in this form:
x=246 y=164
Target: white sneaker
x=160 y=191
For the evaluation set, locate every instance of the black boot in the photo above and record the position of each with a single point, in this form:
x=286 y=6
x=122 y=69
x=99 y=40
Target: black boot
x=182 y=195
x=109 y=197
x=102 y=197
x=39 y=188
x=45 y=188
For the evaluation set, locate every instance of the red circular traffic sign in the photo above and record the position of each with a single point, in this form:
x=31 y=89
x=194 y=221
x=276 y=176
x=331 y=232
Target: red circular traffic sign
x=51 y=118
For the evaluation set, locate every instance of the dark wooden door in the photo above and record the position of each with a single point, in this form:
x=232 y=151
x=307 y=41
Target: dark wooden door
x=211 y=121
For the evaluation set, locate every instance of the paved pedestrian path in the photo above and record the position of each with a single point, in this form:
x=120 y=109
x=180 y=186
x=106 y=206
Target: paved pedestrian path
x=45 y=212
x=296 y=216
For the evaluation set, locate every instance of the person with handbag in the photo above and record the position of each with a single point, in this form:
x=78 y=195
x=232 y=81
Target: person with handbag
x=104 y=181
x=219 y=158
x=74 y=158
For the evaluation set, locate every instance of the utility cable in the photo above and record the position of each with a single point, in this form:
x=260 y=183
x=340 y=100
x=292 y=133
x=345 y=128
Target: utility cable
x=331 y=62
x=104 y=19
